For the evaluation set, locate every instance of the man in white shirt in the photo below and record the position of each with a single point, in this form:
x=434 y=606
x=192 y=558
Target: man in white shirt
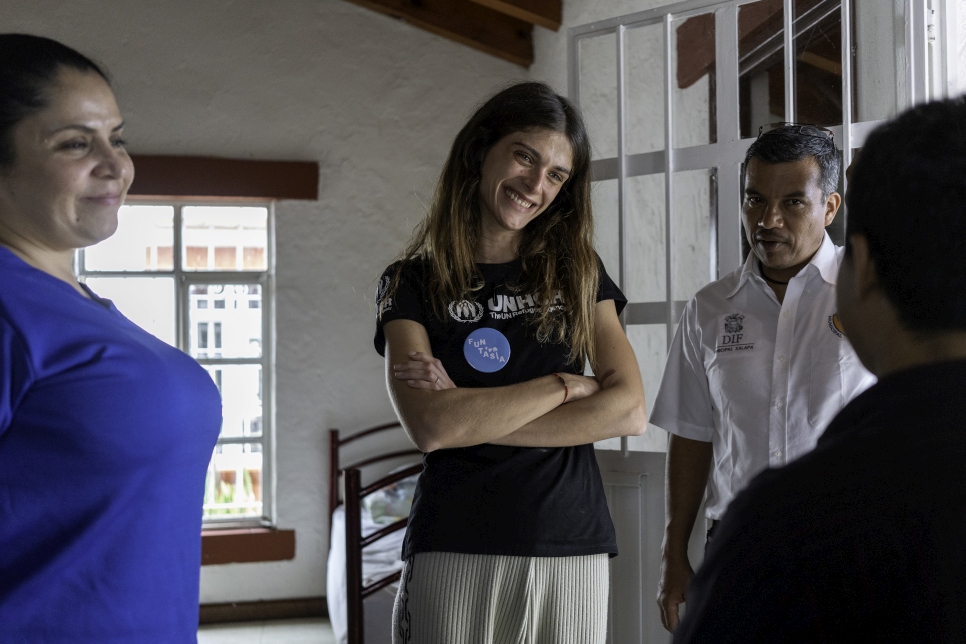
x=759 y=364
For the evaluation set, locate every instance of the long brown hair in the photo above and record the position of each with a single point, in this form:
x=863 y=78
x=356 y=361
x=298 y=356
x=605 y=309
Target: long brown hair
x=556 y=248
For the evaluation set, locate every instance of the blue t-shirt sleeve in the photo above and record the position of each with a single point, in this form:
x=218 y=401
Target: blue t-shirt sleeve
x=16 y=374
x=408 y=301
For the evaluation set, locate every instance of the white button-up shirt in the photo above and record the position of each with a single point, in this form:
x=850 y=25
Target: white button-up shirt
x=757 y=378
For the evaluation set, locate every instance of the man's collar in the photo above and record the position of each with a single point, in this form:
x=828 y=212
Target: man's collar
x=823 y=260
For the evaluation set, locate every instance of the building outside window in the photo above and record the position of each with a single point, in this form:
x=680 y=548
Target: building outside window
x=199 y=277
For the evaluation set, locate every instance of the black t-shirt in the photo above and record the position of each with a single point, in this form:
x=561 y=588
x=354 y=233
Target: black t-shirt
x=494 y=499
x=861 y=540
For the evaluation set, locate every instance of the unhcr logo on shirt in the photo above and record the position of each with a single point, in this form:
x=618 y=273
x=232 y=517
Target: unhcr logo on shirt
x=503 y=307
x=382 y=290
x=466 y=311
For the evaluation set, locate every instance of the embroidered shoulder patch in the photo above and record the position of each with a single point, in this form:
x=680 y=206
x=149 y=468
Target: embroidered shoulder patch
x=836 y=325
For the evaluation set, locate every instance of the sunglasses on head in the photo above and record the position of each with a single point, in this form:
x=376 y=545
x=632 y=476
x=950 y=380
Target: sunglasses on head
x=805 y=129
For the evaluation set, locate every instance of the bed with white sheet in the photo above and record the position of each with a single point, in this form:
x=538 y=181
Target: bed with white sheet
x=363 y=600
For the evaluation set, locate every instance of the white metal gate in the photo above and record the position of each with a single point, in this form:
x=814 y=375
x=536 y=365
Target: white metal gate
x=667 y=174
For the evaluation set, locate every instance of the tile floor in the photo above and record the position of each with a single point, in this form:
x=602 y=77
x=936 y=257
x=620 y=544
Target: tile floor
x=288 y=631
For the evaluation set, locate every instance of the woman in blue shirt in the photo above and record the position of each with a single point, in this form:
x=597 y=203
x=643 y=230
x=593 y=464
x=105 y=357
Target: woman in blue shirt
x=105 y=431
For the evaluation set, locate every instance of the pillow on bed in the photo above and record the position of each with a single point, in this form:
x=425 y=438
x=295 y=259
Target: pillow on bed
x=393 y=502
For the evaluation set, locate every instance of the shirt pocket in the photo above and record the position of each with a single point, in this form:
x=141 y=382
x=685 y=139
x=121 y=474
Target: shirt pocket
x=730 y=381
x=828 y=386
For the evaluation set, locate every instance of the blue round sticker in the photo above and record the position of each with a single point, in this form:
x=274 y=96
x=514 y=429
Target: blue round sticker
x=487 y=350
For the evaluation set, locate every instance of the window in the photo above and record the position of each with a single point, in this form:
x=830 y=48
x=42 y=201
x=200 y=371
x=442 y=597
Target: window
x=198 y=277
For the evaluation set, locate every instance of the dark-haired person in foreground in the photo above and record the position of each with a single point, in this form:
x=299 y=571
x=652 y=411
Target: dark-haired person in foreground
x=105 y=430
x=759 y=364
x=862 y=539
x=486 y=325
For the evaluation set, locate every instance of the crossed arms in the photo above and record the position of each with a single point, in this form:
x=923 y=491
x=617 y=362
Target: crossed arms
x=439 y=415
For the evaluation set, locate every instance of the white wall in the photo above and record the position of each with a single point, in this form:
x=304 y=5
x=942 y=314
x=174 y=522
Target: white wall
x=957 y=34
x=374 y=101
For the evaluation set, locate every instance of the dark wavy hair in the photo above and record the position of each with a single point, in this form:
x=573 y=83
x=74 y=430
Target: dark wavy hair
x=556 y=248
x=908 y=198
x=28 y=67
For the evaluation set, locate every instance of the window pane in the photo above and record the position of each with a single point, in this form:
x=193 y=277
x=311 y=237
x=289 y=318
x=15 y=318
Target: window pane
x=643 y=236
x=644 y=78
x=144 y=241
x=241 y=398
x=234 y=483
x=761 y=65
x=598 y=93
x=877 y=46
x=645 y=243
x=693 y=56
x=818 y=62
x=146 y=301
x=604 y=198
x=694 y=220
x=650 y=348
x=222 y=238
x=649 y=342
x=225 y=320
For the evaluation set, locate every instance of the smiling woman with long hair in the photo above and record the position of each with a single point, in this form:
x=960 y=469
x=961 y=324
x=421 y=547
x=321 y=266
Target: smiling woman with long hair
x=105 y=431
x=486 y=324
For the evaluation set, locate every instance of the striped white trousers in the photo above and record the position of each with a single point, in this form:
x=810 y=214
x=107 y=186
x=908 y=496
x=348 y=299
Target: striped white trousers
x=451 y=598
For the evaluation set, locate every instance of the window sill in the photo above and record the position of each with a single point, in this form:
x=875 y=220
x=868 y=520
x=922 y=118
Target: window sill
x=246 y=545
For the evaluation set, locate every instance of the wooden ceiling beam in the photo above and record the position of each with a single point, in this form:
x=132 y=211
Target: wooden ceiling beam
x=465 y=22
x=821 y=62
x=546 y=13
x=214 y=178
